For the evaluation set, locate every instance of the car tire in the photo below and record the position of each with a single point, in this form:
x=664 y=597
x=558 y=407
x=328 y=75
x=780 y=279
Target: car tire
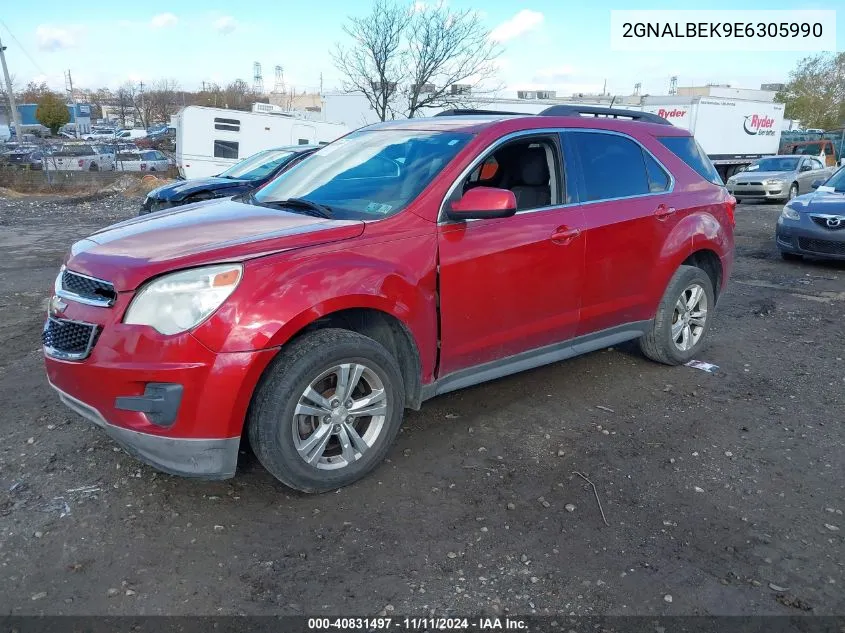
x=692 y=286
x=738 y=201
x=281 y=420
x=791 y=257
x=793 y=191
x=94 y=167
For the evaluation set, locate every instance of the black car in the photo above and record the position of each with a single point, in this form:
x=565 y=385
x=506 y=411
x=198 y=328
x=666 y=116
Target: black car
x=247 y=175
x=27 y=158
x=814 y=224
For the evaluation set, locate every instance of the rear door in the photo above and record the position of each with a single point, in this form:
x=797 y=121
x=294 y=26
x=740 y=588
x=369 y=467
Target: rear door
x=629 y=211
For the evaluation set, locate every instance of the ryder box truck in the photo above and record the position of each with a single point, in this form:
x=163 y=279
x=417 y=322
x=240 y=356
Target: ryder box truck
x=733 y=132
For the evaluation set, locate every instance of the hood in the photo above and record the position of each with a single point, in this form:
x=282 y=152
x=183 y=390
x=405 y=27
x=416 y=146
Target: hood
x=758 y=176
x=202 y=233
x=826 y=202
x=182 y=189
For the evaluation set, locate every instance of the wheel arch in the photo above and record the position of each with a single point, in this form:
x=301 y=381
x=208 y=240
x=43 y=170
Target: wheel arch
x=707 y=260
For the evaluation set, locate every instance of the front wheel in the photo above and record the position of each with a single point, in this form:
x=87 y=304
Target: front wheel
x=327 y=410
x=683 y=317
x=93 y=167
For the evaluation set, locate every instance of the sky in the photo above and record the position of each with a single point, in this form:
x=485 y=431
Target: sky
x=555 y=45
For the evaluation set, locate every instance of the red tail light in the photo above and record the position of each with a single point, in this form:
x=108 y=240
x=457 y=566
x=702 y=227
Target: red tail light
x=143 y=166
x=730 y=207
x=81 y=162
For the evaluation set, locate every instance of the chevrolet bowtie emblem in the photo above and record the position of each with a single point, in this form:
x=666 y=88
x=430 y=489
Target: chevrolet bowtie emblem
x=57 y=306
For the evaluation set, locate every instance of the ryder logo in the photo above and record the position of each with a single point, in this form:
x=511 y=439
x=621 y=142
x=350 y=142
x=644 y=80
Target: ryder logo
x=756 y=125
x=671 y=114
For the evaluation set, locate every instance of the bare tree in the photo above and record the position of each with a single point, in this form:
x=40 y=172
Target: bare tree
x=4 y=98
x=163 y=99
x=452 y=58
x=408 y=57
x=125 y=102
x=374 y=63
x=236 y=95
x=33 y=92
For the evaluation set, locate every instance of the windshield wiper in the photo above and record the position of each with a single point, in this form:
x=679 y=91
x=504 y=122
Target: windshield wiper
x=310 y=207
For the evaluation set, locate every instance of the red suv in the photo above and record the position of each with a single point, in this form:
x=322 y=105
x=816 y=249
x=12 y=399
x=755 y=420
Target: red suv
x=405 y=260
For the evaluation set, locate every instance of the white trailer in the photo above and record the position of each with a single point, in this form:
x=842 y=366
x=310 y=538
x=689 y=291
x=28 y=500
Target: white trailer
x=733 y=132
x=209 y=140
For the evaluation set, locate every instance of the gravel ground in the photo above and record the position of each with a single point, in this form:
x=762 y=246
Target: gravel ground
x=723 y=491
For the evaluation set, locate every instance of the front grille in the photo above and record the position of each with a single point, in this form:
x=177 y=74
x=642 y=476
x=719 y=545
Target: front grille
x=87 y=288
x=822 y=221
x=71 y=340
x=822 y=246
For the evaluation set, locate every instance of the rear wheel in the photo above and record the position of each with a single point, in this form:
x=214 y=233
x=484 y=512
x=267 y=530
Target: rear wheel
x=93 y=167
x=327 y=410
x=683 y=318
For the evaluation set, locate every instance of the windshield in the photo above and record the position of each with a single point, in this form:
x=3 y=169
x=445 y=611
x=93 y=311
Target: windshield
x=774 y=164
x=258 y=165
x=837 y=181
x=368 y=174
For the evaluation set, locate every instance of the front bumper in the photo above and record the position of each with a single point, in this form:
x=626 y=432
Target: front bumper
x=203 y=458
x=741 y=190
x=169 y=400
x=805 y=237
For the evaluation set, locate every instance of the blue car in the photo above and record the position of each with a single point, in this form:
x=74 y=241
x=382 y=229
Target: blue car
x=814 y=224
x=247 y=175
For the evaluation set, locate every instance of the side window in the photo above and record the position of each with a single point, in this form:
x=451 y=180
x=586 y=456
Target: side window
x=230 y=125
x=816 y=164
x=658 y=179
x=225 y=149
x=303 y=141
x=528 y=167
x=612 y=166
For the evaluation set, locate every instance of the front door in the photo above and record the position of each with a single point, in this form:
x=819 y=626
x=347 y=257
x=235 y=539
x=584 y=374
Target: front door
x=510 y=285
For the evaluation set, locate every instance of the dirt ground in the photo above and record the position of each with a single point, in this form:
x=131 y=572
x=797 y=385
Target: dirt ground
x=724 y=492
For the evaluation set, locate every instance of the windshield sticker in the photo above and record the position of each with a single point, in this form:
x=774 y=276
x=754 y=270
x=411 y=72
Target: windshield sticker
x=377 y=207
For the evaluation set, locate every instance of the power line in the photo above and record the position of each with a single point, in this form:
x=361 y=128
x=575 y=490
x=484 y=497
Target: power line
x=23 y=50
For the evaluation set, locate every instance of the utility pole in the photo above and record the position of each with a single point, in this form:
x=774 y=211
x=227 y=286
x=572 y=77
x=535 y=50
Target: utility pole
x=321 y=83
x=12 y=107
x=143 y=109
x=69 y=89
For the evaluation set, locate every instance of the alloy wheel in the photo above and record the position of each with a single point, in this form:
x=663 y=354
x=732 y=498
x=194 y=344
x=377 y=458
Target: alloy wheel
x=689 y=317
x=339 y=416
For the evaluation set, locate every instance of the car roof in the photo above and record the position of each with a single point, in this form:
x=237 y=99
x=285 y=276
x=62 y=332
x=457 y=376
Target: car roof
x=507 y=123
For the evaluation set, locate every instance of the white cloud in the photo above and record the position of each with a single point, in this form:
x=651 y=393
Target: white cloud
x=520 y=24
x=53 y=38
x=225 y=25
x=163 y=20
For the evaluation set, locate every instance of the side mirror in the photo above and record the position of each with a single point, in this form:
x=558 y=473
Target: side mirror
x=806 y=168
x=817 y=183
x=483 y=202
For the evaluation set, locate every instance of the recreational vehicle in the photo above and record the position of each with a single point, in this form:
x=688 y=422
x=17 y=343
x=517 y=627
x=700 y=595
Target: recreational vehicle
x=209 y=140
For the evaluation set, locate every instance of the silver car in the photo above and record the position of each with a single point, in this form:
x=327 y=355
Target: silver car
x=778 y=177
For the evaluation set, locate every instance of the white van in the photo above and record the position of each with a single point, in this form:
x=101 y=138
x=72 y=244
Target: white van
x=130 y=135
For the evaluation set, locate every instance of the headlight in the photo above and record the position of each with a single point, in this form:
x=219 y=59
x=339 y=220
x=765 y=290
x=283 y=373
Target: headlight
x=179 y=301
x=774 y=181
x=789 y=213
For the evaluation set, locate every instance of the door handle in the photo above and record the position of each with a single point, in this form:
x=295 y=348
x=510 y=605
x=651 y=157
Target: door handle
x=662 y=212
x=564 y=235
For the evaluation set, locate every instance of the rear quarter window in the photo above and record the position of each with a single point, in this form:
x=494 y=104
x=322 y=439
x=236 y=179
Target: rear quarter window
x=688 y=150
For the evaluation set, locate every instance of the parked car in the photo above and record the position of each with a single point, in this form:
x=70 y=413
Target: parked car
x=778 y=177
x=814 y=224
x=405 y=260
x=144 y=160
x=25 y=157
x=247 y=175
x=80 y=158
x=100 y=134
x=162 y=140
x=130 y=135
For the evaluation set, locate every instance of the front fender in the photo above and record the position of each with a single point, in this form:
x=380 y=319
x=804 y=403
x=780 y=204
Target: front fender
x=282 y=294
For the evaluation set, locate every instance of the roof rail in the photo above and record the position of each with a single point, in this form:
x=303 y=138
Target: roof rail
x=470 y=112
x=597 y=111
